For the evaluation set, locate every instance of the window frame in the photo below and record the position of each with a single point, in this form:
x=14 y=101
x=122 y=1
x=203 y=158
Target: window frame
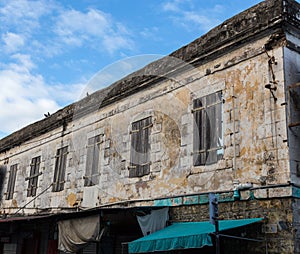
x=294 y=106
x=33 y=176
x=11 y=181
x=92 y=172
x=208 y=129
x=140 y=147
x=60 y=169
x=3 y=169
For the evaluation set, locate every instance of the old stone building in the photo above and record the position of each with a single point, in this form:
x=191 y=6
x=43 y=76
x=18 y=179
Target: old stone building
x=219 y=115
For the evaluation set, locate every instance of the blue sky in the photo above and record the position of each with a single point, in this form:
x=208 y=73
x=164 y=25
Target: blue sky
x=50 y=50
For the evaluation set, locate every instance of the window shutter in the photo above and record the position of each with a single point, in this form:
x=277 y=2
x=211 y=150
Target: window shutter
x=63 y=168
x=11 y=181
x=33 y=178
x=95 y=163
x=89 y=162
x=135 y=149
x=36 y=172
x=140 y=148
x=207 y=138
x=60 y=166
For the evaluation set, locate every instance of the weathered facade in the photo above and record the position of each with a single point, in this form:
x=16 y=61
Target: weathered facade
x=219 y=115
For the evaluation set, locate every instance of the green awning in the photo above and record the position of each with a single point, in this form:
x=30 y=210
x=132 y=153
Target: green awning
x=184 y=235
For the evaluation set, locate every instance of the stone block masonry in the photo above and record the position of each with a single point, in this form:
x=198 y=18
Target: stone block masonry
x=277 y=227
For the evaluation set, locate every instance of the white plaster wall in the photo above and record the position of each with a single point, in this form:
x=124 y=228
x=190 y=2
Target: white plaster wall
x=259 y=155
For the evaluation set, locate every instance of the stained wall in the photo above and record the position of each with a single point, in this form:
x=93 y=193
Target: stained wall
x=254 y=127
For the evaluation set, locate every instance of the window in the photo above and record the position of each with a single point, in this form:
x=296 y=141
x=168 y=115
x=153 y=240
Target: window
x=11 y=181
x=140 y=148
x=208 y=132
x=294 y=102
x=33 y=178
x=92 y=161
x=60 y=168
x=2 y=178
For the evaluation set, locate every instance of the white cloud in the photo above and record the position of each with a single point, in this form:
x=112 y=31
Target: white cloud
x=203 y=21
x=12 y=42
x=94 y=28
x=24 y=14
x=114 y=43
x=66 y=93
x=218 y=9
x=177 y=5
x=185 y=13
x=92 y=23
x=24 y=22
x=150 y=33
x=25 y=97
x=35 y=31
x=23 y=100
x=22 y=63
x=171 y=6
x=90 y=29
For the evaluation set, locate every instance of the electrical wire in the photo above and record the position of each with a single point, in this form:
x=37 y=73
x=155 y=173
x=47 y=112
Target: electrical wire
x=23 y=207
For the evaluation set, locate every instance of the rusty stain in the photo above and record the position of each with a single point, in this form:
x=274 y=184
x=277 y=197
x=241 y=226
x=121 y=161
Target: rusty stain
x=171 y=138
x=243 y=151
x=107 y=132
x=71 y=199
x=14 y=203
x=112 y=200
x=183 y=95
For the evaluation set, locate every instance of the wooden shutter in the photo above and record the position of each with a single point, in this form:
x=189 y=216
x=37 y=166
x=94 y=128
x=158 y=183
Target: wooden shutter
x=201 y=132
x=92 y=161
x=207 y=129
x=140 y=148
x=11 y=181
x=96 y=155
x=60 y=167
x=2 y=178
x=211 y=128
x=33 y=178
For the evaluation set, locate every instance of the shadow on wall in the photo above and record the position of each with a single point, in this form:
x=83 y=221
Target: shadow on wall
x=2 y=177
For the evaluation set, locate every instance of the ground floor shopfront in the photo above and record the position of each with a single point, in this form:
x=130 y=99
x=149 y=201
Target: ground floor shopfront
x=266 y=226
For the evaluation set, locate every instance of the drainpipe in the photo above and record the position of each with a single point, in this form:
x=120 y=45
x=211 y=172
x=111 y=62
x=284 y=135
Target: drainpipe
x=234 y=141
